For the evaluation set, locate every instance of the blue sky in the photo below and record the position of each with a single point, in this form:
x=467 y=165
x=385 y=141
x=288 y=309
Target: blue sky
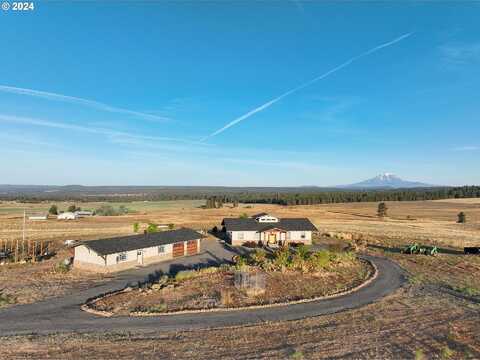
x=129 y=94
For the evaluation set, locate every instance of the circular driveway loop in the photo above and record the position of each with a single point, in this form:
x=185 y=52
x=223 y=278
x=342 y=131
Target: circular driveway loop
x=63 y=314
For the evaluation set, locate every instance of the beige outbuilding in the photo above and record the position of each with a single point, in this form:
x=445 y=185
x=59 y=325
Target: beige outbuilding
x=121 y=253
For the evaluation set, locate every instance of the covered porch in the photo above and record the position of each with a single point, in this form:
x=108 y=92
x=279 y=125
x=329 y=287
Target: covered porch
x=272 y=236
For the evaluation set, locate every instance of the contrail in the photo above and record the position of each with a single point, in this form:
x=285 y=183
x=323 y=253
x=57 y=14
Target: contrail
x=76 y=100
x=93 y=130
x=304 y=85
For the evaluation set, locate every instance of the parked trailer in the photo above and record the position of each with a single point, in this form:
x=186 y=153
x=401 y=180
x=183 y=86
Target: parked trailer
x=472 y=250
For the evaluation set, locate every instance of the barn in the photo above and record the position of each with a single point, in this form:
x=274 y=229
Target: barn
x=121 y=253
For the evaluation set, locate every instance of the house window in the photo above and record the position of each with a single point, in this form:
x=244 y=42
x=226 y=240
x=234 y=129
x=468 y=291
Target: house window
x=161 y=249
x=121 y=257
x=240 y=236
x=303 y=235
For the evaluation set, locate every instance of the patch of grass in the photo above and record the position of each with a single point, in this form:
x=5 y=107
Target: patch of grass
x=61 y=267
x=446 y=353
x=468 y=290
x=420 y=355
x=159 y=308
x=297 y=355
x=6 y=300
x=416 y=279
x=185 y=275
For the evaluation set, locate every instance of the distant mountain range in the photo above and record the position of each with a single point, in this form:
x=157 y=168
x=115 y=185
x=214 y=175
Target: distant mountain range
x=386 y=181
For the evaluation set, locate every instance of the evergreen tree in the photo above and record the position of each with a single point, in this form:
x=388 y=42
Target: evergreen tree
x=382 y=210
x=73 y=208
x=462 y=218
x=53 y=210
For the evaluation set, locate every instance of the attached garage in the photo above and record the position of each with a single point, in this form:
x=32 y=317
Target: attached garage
x=137 y=250
x=178 y=249
x=192 y=247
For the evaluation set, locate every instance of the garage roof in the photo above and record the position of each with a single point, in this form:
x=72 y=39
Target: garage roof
x=133 y=242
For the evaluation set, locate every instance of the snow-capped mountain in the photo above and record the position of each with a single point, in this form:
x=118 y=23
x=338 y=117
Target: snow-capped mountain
x=386 y=180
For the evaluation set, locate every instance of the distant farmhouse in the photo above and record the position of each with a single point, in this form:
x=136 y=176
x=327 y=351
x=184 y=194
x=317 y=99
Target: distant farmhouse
x=268 y=229
x=108 y=255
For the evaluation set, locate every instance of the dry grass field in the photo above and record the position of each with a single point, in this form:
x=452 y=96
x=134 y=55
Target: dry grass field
x=432 y=221
x=434 y=317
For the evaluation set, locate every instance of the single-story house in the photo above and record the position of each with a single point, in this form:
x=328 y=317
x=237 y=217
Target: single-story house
x=67 y=216
x=120 y=253
x=267 y=229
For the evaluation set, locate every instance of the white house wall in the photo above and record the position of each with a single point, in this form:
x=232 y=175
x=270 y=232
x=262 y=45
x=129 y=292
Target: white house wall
x=88 y=259
x=296 y=236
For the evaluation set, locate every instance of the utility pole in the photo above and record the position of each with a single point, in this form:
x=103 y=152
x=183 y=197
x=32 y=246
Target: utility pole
x=23 y=233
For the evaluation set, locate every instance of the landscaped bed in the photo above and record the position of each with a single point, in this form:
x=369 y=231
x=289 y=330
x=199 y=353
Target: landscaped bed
x=257 y=279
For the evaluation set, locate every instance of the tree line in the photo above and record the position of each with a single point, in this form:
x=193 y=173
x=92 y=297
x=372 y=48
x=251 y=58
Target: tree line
x=217 y=196
x=347 y=196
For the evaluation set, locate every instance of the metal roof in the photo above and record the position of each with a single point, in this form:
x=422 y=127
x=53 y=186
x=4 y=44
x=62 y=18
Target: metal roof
x=133 y=242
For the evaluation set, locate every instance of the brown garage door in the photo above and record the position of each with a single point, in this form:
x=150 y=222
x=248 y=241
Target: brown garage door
x=178 y=249
x=192 y=247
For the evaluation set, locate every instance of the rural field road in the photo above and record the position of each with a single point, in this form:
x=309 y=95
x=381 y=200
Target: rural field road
x=63 y=314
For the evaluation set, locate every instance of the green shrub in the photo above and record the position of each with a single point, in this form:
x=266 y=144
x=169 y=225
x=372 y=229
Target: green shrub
x=282 y=259
x=209 y=270
x=297 y=355
x=159 y=308
x=303 y=252
x=61 y=267
x=446 y=353
x=136 y=227
x=185 y=275
x=152 y=228
x=171 y=226
x=53 y=210
x=258 y=257
x=73 y=208
x=322 y=259
x=6 y=299
x=241 y=262
x=419 y=355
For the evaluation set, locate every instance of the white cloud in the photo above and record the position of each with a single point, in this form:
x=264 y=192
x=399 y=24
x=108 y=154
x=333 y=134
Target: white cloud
x=80 y=101
x=94 y=130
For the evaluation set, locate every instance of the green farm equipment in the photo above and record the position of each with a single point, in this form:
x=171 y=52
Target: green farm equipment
x=420 y=249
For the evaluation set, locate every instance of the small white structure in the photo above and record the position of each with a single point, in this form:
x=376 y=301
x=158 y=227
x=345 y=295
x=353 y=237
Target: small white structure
x=67 y=216
x=38 y=217
x=83 y=213
x=70 y=243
